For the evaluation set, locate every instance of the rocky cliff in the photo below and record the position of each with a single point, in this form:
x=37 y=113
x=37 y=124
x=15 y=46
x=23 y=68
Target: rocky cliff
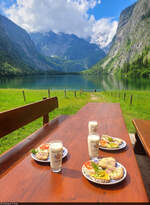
x=131 y=39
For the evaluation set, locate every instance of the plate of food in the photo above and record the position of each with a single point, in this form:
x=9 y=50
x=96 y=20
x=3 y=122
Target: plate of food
x=111 y=143
x=105 y=171
x=41 y=153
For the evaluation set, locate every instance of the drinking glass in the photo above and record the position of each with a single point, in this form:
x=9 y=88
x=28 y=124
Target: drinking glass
x=55 y=153
x=92 y=125
x=93 y=146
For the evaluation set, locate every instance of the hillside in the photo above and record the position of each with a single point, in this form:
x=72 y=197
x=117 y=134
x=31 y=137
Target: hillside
x=130 y=51
x=68 y=47
x=18 y=54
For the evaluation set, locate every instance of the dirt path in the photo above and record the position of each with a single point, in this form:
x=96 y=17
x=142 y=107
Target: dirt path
x=93 y=97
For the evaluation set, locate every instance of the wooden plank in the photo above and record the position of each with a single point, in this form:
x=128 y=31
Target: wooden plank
x=16 y=152
x=31 y=181
x=143 y=131
x=16 y=118
x=46 y=116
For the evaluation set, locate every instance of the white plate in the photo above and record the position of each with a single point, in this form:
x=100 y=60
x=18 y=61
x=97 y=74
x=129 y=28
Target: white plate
x=121 y=146
x=98 y=181
x=65 y=152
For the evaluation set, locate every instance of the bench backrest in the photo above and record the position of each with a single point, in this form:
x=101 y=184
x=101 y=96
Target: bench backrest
x=14 y=119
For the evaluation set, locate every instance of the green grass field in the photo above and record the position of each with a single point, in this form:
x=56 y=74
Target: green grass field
x=12 y=98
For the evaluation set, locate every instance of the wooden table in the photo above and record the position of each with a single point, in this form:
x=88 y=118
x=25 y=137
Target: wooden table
x=142 y=135
x=28 y=181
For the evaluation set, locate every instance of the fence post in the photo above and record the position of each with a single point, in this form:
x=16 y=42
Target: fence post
x=65 y=92
x=49 y=93
x=131 y=98
x=24 y=97
x=124 y=97
x=46 y=116
x=75 y=94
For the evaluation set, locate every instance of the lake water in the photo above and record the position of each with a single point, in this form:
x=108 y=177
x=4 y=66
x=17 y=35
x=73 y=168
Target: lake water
x=75 y=82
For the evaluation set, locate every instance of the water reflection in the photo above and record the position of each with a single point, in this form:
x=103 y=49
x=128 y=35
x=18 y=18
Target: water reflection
x=75 y=82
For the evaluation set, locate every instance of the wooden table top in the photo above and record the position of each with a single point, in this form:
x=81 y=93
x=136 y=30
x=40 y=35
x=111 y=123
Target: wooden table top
x=28 y=181
x=143 y=130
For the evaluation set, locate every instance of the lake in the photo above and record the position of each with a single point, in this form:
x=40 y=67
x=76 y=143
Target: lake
x=75 y=82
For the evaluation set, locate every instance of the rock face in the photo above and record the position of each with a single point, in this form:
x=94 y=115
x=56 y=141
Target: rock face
x=133 y=35
x=68 y=47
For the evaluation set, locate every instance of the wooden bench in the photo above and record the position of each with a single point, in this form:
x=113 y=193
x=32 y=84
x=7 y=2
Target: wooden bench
x=142 y=136
x=16 y=118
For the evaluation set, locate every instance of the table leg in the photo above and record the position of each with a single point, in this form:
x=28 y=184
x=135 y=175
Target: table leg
x=138 y=148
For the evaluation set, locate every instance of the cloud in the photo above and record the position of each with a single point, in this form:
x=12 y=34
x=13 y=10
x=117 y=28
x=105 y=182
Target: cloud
x=2 y=6
x=104 y=31
x=68 y=16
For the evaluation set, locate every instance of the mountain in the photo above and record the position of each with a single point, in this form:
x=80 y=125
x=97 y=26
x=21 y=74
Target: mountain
x=18 y=54
x=130 y=51
x=61 y=53
x=68 y=47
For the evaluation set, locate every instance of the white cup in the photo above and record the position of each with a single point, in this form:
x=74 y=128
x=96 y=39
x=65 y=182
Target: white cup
x=92 y=125
x=55 y=153
x=93 y=146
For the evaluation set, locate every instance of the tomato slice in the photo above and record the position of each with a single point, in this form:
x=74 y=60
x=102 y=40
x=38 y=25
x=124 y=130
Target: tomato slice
x=103 y=142
x=44 y=146
x=88 y=165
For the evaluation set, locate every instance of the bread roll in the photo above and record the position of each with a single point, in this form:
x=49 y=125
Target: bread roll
x=42 y=155
x=117 y=173
x=107 y=162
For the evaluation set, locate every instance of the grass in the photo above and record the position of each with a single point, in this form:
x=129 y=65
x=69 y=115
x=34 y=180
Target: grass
x=140 y=107
x=12 y=98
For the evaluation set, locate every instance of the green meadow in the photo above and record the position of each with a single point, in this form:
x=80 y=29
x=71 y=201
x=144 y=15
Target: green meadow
x=137 y=107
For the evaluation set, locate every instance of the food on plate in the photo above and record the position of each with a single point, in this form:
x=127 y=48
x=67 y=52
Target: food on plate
x=110 y=142
x=42 y=155
x=107 y=162
x=97 y=172
x=117 y=173
x=44 y=147
x=42 y=152
x=104 y=170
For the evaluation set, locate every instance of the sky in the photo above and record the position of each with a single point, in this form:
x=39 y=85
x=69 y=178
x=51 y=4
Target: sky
x=90 y=19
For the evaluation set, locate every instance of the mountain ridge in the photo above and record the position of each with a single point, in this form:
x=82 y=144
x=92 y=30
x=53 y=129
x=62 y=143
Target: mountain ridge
x=67 y=47
x=130 y=43
x=20 y=56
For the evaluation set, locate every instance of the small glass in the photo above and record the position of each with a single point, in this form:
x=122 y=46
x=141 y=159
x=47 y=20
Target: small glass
x=55 y=153
x=92 y=125
x=93 y=146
